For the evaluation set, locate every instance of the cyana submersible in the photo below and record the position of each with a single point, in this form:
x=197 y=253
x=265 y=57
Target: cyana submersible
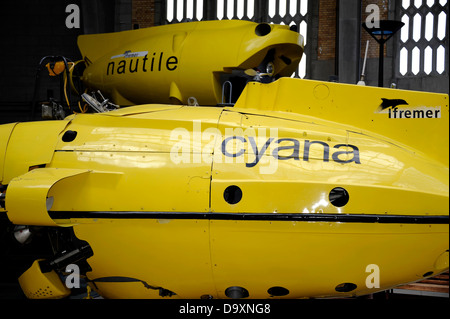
x=237 y=181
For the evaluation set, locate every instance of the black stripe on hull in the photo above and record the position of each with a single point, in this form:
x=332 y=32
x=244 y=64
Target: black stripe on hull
x=344 y=218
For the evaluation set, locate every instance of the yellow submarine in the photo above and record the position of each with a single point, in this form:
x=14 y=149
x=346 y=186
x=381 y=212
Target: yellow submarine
x=237 y=181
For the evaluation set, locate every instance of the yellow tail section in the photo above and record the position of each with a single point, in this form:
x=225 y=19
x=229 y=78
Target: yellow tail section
x=417 y=121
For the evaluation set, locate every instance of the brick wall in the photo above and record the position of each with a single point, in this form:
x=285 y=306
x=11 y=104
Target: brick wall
x=327 y=29
x=373 y=45
x=326 y=45
x=143 y=14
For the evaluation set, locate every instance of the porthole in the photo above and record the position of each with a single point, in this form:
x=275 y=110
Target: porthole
x=278 y=291
x=232 y=194
x=345 y=287
x=339 y=197
x=262 y=29
x=69 y=136
x=236 y=292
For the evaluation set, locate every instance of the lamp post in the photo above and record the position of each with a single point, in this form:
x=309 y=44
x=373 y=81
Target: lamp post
x=382 y=33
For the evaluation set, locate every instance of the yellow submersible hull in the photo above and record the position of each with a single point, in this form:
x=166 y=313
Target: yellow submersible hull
x=302 y=189
x=170 y=63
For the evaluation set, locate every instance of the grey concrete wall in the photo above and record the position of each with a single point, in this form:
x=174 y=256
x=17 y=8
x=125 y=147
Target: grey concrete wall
x=349 y=23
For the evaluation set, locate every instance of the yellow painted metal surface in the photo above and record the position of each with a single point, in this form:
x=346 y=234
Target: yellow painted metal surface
x=174 y=254
x=31 y=144
x=152 y=206
x=206 y=257
x=407 y=183
x=28 y=195
x=5 y=133
x=39 y=285
x=311 y=259
x=361 y=108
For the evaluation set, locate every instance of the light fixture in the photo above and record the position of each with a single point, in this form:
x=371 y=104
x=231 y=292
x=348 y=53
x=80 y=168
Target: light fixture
x=382 y=31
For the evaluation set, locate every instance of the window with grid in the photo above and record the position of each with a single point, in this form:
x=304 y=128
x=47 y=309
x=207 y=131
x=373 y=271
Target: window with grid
x=288 y=12
x=423 y=38
x=291 y=12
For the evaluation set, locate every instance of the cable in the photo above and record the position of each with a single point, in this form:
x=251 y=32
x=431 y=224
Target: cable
x=67 y=95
